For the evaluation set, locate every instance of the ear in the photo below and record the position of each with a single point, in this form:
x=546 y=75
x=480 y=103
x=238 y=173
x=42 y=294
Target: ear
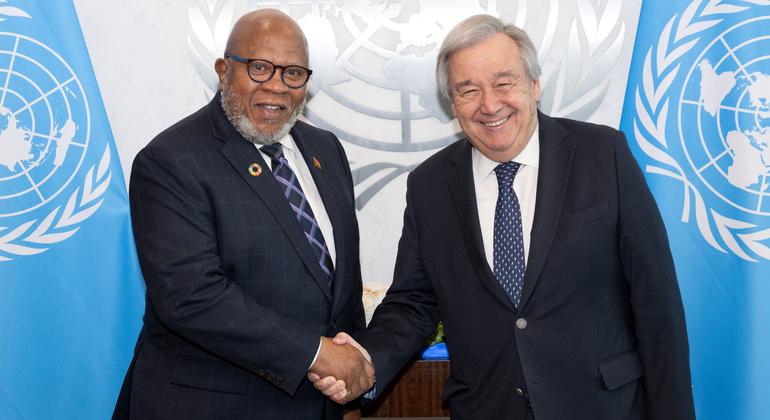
x=221 y=68
x=452 y=104
x=536 y=89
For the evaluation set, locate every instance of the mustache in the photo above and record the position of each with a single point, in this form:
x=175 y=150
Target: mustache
x=236 y=114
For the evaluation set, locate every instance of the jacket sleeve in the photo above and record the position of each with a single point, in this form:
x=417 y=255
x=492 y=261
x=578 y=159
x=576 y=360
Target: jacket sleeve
x=409 y=313
x=174 y=228
x=654 y=293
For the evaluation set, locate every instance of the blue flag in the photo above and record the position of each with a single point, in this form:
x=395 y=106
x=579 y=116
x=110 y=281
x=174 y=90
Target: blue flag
x=697 y=114
x=70 y=287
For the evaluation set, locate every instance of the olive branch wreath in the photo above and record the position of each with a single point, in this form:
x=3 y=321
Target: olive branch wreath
x=577 y=86
x=34 y=236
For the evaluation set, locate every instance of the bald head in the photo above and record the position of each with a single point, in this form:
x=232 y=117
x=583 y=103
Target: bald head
x=263 y=108
x=253 y=26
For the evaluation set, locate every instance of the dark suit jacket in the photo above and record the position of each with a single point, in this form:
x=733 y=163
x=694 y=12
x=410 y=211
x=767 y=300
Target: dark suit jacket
x=600 y=330
x=236 y=300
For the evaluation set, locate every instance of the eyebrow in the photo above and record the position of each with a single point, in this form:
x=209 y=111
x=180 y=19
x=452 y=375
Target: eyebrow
x=498 y=75
x=458 y=85
x=507 y=73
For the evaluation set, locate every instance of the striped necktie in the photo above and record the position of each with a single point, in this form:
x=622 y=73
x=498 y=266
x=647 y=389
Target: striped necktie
x=298 y=202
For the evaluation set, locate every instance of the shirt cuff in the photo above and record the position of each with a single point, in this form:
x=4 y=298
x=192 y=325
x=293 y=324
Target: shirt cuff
x=318 y=350
x=372 y=393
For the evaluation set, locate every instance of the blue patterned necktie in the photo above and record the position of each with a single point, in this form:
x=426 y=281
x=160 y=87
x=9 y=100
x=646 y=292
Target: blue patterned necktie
x=298 y=202
x=508 y=238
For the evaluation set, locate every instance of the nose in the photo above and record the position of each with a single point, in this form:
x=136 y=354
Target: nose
x=275 y=84
x=490 y=102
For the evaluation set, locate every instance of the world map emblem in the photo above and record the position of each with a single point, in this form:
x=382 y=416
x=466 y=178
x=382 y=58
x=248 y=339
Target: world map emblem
x=45 y=137
x=727 y=103
x=711 y=69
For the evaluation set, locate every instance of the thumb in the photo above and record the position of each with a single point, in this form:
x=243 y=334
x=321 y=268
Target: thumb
x=343 y=338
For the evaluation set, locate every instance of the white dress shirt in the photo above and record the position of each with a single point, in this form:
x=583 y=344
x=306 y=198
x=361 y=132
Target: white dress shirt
x=524 y=186
x=300 y=169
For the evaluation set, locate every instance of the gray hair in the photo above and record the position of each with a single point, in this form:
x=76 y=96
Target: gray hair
x=474 y=30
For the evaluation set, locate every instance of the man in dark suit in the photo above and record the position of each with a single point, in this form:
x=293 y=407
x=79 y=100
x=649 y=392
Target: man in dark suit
x=540 y=247
x=246 y=231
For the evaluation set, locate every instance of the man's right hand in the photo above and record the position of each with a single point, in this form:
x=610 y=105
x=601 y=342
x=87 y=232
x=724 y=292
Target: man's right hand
x=343 y=369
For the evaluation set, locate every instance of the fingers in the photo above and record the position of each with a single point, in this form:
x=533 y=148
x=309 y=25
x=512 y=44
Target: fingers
x=342 y=397
x=334 y=389
x=330 y=386
x=313 y=377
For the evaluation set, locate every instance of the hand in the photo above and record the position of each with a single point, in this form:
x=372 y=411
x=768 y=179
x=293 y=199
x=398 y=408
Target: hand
x=343 y=369
x=335 y=388
x=340 y=339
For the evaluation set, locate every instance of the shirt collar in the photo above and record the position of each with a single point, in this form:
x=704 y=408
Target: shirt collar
x=530 y=156
x=287 y=143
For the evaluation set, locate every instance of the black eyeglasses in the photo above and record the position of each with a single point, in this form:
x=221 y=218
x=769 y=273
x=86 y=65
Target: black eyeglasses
x=261 y=71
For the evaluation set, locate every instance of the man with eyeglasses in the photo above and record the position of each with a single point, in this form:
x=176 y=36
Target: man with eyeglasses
x=246 y=231
x=538 y=244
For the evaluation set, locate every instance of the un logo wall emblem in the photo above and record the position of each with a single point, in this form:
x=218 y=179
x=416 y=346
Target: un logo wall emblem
x=712 y=64
x=44 y=141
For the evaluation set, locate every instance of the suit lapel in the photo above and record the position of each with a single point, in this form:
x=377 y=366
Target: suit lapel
x=330 y=195
x=241 y=154
x=556 y=153
x=463 y=192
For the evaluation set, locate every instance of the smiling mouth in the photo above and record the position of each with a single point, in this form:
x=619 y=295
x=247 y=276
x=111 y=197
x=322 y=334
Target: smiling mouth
x=272 y=107
x=497 y=123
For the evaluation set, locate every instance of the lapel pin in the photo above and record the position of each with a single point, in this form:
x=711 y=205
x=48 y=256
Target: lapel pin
x=255 y=169
x=316 y=163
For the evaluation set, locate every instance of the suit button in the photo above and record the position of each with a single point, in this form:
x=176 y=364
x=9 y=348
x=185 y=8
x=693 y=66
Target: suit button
x=521 y=323
x=333 y=326
x=520 y=391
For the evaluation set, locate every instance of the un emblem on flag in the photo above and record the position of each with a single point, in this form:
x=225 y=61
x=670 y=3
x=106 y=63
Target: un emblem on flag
x=726 y=106
x=712 y=66
x=45 y=135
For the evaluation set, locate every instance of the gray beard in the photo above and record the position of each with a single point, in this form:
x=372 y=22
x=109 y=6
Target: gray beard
x=231 y=103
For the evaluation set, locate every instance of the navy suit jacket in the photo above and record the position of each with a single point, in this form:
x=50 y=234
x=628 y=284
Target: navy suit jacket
x=600 y=331
x=236 y=300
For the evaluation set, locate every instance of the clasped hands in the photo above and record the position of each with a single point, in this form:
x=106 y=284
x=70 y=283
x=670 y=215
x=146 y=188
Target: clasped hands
x=343 y=369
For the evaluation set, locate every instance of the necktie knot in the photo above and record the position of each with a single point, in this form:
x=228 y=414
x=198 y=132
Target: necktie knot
x=273 y=150
x=505 y=172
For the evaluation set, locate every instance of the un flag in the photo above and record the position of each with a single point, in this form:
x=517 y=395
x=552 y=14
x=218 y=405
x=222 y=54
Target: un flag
x=70 y=287
x=697 y=111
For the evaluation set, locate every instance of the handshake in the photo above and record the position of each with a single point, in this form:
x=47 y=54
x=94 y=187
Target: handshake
x=343 y=369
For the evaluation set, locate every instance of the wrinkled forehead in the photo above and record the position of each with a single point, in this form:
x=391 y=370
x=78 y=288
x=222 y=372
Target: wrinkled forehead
x=485 y=63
